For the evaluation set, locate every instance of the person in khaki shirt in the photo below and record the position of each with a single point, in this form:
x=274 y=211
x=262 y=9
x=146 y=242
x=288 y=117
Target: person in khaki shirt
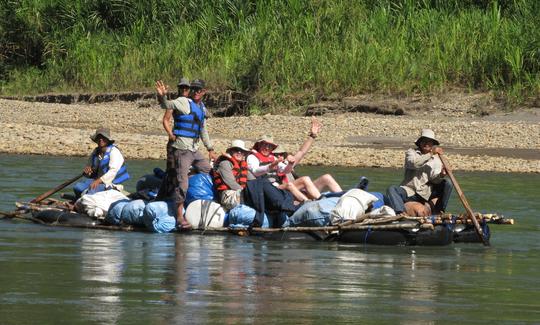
x=189 y=115
x=424 y=180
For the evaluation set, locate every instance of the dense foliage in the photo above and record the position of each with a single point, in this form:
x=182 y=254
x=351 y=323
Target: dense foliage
x=272 y=48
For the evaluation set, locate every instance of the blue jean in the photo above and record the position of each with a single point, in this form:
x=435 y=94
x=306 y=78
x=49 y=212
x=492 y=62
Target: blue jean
x=79 y=187
x=397 y=196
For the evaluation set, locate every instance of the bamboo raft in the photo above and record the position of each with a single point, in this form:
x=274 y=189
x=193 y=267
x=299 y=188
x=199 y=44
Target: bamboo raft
x=366 y=229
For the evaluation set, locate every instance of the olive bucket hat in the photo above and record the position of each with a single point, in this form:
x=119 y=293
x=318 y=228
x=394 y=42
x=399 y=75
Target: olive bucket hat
x=184 y=82
x=427 y=134
x=104 y=132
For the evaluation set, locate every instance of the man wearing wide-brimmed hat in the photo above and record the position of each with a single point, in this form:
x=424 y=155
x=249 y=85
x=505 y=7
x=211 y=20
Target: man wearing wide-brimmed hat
x=105 y=168
x=230 y=174
x=189 y=116
x=424 y=179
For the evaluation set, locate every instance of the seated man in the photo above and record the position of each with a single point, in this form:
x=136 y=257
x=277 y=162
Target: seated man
x=105 y=168
x=424 y=177
x=230 y=174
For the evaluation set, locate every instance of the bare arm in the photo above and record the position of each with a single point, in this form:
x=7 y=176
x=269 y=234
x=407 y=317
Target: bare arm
x=313 y=133
x=167 y=117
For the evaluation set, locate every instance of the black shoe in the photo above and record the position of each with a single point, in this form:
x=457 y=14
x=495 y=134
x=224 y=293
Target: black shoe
x=363 y=184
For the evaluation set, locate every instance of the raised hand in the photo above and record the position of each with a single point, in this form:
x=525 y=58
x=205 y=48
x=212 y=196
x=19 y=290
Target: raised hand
x=161 y=88
x=315 y=126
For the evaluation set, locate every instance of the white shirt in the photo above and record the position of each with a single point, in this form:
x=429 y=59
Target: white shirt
x=116 y=160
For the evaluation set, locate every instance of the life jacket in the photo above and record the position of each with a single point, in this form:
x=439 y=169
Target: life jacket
x=239 y=170
x=272 y=175
x=190 y=125
x=103 y=165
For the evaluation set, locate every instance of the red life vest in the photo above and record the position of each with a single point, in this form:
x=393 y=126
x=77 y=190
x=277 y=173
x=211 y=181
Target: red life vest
x=239 y=170
x=267 y=160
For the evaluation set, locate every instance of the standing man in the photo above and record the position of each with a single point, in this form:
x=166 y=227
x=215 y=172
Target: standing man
x=166 y=189
x=105 y=168
x=424 y=177
x=189 y=116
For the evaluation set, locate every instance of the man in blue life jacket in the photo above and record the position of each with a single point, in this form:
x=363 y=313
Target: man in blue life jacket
x=189 y=116
x=167 y=185
x=105 y=168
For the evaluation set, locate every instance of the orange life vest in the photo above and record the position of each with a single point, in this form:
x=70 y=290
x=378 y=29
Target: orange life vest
x=239 y=170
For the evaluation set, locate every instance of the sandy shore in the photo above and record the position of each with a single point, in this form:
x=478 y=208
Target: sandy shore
x=507 y=142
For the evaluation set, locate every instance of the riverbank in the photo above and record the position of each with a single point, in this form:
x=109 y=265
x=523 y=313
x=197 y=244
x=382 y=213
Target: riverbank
x=503 y=142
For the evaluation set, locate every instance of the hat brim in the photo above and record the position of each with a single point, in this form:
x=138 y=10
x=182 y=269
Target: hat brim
x=435 y=142
x=94 y=138
x=258 y=144
x=241 y=149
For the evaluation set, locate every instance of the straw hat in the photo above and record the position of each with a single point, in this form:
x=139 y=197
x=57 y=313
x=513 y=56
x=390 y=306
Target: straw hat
x=238 y=144
x=106 y=133
x=427 y=134
x=266 y=139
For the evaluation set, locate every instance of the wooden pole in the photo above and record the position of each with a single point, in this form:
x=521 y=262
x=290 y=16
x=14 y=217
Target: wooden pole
x=464 y=200
x=56 y=189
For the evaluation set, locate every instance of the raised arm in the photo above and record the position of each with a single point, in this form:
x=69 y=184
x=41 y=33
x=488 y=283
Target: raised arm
x=313 y=133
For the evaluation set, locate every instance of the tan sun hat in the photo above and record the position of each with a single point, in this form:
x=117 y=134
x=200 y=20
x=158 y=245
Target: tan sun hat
x=427 y=134
x=104 y=132
x=279 y=150
x=266 y=139
x=238 y=144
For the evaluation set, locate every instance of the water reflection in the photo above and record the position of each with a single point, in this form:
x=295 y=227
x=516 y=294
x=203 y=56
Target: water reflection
x=102 y=264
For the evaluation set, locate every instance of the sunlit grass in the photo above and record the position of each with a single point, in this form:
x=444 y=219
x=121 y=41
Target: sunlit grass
x=273 y=49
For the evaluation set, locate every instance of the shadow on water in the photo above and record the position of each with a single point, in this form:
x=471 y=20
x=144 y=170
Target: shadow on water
x=87 y=276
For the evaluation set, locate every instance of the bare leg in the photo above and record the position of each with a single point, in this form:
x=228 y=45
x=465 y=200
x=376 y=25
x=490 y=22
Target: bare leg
x=305 y=183
x=180 y=220
x=327 y=181
x=298 y=196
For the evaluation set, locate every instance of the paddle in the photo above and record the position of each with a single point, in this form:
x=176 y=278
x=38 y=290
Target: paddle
x=56 y=189
x=463 y=200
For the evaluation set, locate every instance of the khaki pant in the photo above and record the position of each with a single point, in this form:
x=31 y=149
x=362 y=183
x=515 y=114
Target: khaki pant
x=183 y=160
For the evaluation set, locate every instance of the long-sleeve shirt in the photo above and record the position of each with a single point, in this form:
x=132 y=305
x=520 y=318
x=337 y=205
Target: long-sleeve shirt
x=116 y=160
x=225 y=170
x=181 y=106
x=255 y=169
x=421 y=171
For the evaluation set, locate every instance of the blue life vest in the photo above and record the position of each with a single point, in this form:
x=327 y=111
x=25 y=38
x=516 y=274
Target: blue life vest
x=103 y=165
x=190 y=125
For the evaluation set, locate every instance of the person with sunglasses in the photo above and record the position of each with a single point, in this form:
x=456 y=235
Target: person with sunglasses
x=189 y=115
x=263 y=163
x=230 y=174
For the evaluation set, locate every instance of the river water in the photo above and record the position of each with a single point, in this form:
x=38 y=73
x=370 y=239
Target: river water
x=76 y=276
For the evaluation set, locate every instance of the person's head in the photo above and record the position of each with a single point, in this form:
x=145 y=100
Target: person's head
x=183 y=87
x=426 y=141
x=280 y=152
x=265 y=145
x=238 y=150
x=197 y=90
x=102 y=137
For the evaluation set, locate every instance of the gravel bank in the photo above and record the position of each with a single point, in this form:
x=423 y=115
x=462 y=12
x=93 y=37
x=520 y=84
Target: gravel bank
x=498 y=142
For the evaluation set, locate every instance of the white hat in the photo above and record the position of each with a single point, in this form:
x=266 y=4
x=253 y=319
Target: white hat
x=279 y=149
x=238 y=144
x=427 y=134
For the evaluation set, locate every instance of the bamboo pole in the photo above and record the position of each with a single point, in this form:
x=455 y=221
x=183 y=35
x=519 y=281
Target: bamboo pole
x=56 y=189
x=463 y=199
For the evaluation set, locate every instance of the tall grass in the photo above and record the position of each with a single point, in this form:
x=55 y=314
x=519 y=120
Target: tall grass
x=274 y=49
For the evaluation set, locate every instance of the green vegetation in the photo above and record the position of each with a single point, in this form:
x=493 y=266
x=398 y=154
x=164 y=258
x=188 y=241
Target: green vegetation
x=272 y=48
